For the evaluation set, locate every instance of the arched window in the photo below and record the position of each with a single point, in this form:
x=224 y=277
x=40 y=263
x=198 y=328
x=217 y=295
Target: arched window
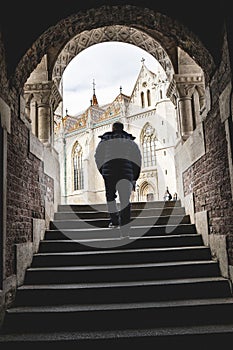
x=148 y=98
x=77 y=167
x=142 y=99
x=148 y=140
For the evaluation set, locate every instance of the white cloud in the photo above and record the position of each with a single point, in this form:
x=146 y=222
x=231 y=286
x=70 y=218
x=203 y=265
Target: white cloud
x=111 y=64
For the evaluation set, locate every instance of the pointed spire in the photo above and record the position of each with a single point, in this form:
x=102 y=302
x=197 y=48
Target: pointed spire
x=120 y=89
x=94 y=98
x=143 y=61
x=93 y=86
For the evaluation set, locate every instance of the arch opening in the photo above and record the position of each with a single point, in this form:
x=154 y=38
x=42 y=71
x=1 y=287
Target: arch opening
x=183 y=85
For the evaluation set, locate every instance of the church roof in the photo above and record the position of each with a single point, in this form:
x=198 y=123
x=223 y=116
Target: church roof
x=71 y=123
x=95 y=114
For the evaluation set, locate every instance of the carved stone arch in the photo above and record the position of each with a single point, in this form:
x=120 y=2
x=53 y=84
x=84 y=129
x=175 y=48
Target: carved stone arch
x=145 y=189
x=116 y=33
x=159 y=27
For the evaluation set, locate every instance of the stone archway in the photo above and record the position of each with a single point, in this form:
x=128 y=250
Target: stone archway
x=141 y=27
x=167 y=40
x=161 y=28
x=147 y=191
x=117 y=33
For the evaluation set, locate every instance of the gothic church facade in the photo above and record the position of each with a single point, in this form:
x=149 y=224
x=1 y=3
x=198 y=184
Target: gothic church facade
x=148 y=114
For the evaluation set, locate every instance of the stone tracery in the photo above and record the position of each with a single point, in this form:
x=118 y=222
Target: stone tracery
x=111 y=33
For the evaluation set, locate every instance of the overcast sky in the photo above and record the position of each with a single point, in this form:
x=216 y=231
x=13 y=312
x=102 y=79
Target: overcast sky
x=111 y=65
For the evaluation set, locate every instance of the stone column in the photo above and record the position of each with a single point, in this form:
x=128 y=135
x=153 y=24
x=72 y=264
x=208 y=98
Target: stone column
x=186 y=119
x=180 y=92
x=46 y=98
x=44 y=130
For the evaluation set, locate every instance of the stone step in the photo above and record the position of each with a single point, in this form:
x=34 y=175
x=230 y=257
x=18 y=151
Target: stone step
x=91 y=232
x=59 y=242
x=119 y=292
x=128 y=272
x=174 y=220
x=72 y=215
x=205 y=336
x=103 y=207
x=89 y=285
x=124 y=316
x=121 y=256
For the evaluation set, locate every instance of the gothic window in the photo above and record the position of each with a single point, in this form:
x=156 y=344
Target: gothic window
x=148 y=140
x=142 y=99
x=160 y=94
x=148 y=98
x=78 y=182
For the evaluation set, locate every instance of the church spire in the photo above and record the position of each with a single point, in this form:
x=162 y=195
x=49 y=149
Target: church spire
x=94 y=98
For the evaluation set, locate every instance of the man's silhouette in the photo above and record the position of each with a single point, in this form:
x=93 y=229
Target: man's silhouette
x=118 y=159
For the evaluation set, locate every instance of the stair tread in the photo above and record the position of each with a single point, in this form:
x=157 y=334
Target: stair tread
x=121 y=306
x=121 y=284
x=132 y=217
x=124 y=251
x=116 y=238
x=133 y=222
x=144 y=203
x=105 y=267
x=113 y=334
x=132 y=210
x=89 y=228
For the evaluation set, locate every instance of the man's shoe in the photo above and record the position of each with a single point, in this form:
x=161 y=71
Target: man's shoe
x=113 y=226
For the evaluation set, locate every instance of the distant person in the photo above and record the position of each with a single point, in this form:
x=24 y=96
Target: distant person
x=167 y=195
x=118 y=159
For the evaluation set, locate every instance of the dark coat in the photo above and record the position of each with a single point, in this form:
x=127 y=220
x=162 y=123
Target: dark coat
x=118 y=156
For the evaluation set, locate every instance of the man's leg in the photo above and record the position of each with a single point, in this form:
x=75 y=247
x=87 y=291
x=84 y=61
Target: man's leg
x=110 y=192
x=124 y=188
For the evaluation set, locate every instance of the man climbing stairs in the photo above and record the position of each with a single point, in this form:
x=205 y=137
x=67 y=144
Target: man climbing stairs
x=89 y=285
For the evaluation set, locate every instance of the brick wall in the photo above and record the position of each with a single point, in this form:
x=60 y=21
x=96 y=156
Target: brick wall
x=209 y=177
x=27 y=188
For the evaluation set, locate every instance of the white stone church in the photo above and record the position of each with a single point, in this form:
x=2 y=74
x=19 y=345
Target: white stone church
x=147 y=114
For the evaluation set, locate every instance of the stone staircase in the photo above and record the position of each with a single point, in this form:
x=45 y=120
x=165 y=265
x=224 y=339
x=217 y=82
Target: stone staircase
x=88 y=285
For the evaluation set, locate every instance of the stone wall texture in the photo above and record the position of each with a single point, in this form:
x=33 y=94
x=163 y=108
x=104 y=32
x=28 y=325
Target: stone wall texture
x=209 y=177
x=27 y=188
x=4 y=92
